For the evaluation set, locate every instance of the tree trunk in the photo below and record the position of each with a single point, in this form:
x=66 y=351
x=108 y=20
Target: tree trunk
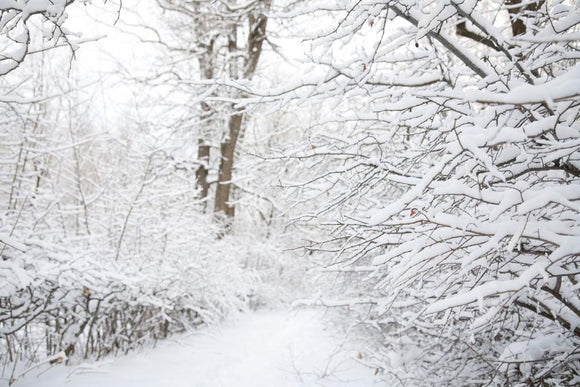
x=256 y=37
x=516 y=9
x=227 y=152
x=203 y=150
x=203 y=153
x=206 y=118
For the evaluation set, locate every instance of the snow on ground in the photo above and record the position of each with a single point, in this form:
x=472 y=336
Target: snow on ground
x=268 y=348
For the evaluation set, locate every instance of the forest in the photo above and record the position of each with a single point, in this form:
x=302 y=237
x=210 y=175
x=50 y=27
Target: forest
x=408 y=168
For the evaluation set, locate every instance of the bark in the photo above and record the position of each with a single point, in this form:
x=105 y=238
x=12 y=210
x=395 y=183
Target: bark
x=203 y=152
x=475 y=65
x=206 y=65
x=256 y=37
x=462 y=30
x=227 y=152
x=516 y=9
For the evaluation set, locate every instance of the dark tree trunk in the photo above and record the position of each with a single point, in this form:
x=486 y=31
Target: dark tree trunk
x=201 y=174
x=227 y=152
x=207 y=121
x=516 y=10
x=256 y=37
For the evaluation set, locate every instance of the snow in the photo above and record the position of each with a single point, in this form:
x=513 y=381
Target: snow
x=490 y=288
x=433 y=181
x=266 y=348
x=565 y=86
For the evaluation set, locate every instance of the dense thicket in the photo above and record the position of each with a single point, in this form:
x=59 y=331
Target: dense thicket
x=104 y=240
x=450 y=168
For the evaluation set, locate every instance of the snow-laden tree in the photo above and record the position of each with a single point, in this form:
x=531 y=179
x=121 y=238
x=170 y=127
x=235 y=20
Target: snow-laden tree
x=208 y=42
x=452 y=163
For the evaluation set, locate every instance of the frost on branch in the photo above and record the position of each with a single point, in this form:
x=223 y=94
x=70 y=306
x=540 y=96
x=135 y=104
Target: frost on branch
x=455 y=196
x=20 y=20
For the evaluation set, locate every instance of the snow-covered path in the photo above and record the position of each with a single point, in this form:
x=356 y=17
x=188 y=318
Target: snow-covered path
x=269 y=348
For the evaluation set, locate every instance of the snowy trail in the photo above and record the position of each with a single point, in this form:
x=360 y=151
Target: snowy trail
x=272 y=348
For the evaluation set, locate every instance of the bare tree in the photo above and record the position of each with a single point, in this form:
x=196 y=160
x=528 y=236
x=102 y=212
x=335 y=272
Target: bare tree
x=256 y=32
x=220 y=52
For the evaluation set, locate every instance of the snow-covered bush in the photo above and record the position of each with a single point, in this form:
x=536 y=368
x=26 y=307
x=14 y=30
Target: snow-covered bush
x=71 y=296
x=103 y=240
x=83 y=295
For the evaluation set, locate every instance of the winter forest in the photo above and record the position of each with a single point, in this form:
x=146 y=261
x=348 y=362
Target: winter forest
x=391 y=186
